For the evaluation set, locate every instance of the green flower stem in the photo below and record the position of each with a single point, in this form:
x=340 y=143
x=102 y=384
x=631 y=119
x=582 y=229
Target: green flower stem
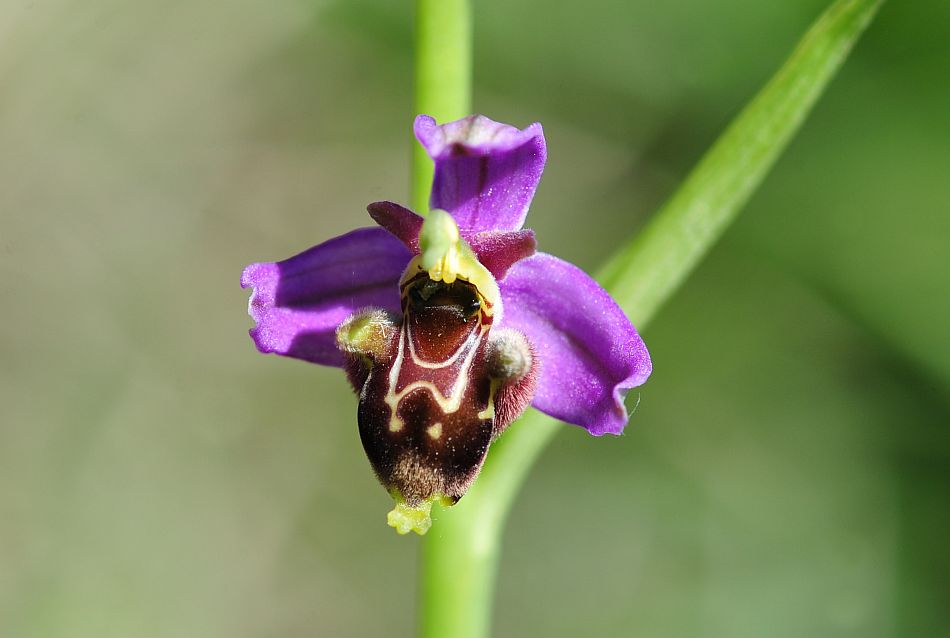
x=460 y=553
x=443 y=77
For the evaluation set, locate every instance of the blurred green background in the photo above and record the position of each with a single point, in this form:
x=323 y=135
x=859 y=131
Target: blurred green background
x=787 y=471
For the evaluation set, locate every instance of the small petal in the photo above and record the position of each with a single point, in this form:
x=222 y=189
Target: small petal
x=486 y=172
x=588 y=351
x=299 y=302
x=500 y=250
x=398 y=220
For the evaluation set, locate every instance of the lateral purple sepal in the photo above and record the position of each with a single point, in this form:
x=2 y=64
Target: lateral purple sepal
x=299 y=302
x=486 y=172
x=590 y=354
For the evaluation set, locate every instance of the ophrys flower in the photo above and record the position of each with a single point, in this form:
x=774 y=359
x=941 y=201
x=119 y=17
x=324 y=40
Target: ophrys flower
x=449 y=325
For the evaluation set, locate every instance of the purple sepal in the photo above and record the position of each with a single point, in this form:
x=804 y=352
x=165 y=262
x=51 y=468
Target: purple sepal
x=299 y=302
x=589 y=352
x=486 y=172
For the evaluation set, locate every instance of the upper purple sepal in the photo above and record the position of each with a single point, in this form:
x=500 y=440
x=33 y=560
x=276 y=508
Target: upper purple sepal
x=299 y=302
x=486 y=172
x=590 y=354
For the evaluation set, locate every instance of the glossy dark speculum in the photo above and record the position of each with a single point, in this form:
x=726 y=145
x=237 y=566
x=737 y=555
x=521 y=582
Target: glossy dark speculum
x=426 y=414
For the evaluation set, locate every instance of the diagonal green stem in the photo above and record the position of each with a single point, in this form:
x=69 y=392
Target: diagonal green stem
x=460 y=553
x=652 y=266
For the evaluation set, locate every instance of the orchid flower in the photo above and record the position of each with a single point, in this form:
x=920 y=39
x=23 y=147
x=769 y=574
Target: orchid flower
x=449 y=325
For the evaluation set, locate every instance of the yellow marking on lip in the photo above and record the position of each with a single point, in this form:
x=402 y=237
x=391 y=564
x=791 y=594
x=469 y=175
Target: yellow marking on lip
x=489 y=412
x=436 y=365
x=448 y=405
x=435 y=431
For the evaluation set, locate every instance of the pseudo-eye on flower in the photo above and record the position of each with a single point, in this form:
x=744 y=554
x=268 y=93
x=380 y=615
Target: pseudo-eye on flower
x=449 y=325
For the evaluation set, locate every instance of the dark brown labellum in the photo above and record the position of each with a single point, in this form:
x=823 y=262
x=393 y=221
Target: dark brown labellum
x=426 y=411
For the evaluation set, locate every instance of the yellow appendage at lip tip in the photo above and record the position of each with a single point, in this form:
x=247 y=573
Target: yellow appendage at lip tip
x=405 y=518
x=445 y=256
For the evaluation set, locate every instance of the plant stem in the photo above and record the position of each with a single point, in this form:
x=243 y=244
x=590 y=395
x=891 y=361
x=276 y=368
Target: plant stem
x=443 y=77
x=452 y=603
x=460 y=553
